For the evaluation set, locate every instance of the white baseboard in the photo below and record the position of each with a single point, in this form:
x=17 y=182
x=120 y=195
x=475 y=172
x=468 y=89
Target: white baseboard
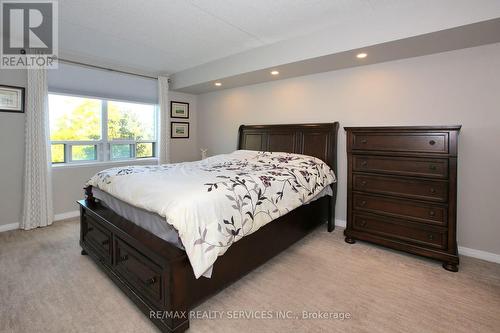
x=464 y=251
x=57 y=217
x=8 y=227
x=67 y=215
x=340 y=223
x=488 y=256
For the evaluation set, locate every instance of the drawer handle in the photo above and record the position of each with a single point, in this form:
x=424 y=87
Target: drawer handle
x=432 y=142
x=433 y=190
x=151 y=281
x=364 y=163
x=105 y=242
x=432 y=167
x=364 y=141
x=363 y=183
x=431 y=237
x=432 y=213
x=363 y=223
x=363 y=203
x=124 y=258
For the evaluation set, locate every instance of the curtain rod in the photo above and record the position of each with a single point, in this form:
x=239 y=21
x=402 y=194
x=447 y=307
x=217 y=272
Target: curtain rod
x=106 y=68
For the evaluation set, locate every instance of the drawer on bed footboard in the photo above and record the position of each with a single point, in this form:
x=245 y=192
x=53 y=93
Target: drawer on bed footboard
x=139 y=271
x=99 y=238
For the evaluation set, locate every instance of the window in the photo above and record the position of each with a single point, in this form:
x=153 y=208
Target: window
x=84 y=129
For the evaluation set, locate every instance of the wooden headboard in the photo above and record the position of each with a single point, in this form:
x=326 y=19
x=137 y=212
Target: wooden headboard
x=318 y=140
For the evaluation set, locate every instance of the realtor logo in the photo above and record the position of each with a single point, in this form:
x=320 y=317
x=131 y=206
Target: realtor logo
x=29 y=34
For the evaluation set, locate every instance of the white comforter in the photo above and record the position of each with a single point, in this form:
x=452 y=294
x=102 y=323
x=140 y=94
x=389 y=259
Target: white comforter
x=215 y=202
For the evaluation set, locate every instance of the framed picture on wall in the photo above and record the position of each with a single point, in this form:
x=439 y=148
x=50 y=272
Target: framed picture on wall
x=11 y=99
x=179 y=130
x=179 y=110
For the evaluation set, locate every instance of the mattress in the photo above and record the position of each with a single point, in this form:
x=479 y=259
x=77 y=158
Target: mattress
x=153 y=222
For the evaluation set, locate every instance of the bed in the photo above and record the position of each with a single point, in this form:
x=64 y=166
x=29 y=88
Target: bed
x=154 y=269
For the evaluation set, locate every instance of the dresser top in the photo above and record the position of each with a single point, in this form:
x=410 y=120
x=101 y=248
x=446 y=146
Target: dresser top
x=406 y=128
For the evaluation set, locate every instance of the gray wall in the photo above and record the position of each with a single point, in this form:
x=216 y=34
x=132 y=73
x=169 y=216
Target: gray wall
x=12 y=154
x=459 y=87
x=186 y=149
x=68 y=182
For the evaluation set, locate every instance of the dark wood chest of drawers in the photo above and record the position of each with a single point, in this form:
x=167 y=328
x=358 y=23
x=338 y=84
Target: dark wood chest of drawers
x=402 y=189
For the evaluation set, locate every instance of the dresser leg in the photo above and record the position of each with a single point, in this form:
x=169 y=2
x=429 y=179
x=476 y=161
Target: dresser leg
x=350 y=240
x=450 y=267
x=83 y=253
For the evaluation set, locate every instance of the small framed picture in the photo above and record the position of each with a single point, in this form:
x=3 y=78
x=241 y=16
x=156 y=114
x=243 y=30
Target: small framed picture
x=179 y=110
x=11 y=99
x=179 y=130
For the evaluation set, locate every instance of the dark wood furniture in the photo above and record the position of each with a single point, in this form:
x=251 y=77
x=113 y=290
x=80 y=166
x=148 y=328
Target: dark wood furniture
x=158 y=277
x=402 y=189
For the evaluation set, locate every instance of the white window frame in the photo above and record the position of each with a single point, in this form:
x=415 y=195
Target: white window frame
x=103 y=146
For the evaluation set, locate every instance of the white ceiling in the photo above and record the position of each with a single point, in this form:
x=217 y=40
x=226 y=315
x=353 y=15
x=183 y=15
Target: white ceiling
x=158 y=36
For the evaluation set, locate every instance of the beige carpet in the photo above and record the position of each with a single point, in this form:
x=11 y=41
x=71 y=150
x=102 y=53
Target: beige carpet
x=47 y=286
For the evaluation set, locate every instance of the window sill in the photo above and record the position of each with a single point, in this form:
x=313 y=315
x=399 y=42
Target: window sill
x=105 y=163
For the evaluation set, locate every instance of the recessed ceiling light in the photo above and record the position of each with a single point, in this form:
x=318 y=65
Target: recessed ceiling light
x=274 y=72
x=361 y=55
x=218 y=84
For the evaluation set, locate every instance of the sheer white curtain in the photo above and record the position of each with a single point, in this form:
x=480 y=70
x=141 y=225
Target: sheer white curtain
x=164 y=123
x=37 y=206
